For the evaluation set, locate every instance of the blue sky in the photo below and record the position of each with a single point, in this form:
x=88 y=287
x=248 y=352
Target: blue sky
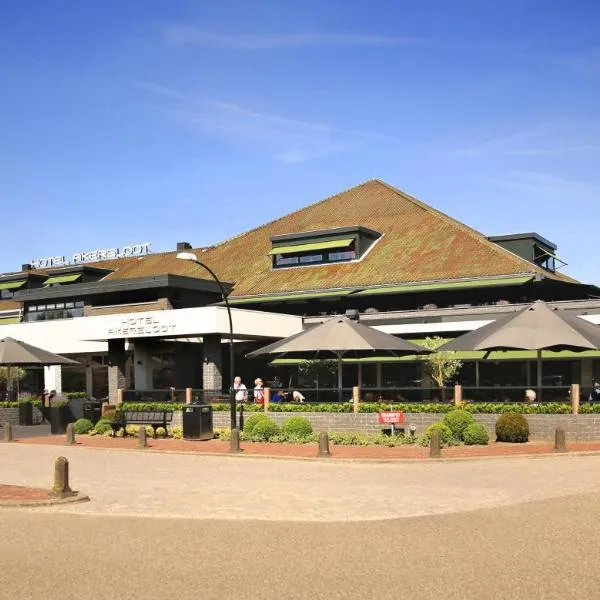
x=131 y=121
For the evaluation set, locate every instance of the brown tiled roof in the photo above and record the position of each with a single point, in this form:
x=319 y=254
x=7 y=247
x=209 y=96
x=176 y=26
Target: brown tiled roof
x=419 y=243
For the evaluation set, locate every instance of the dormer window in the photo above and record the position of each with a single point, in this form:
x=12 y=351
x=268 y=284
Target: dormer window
x=342 y=244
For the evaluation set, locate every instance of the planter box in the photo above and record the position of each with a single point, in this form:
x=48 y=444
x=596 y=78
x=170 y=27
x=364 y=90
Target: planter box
x=25 y=413
x=60 y=417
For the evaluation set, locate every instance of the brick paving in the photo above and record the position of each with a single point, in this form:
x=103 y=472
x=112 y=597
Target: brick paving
x=310 y=450
x=18 y=493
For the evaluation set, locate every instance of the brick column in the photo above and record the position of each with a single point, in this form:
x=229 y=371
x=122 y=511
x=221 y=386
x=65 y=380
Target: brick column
x=117 y=374
x=212 y=363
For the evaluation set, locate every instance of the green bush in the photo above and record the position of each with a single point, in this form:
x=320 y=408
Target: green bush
x=457 y=421
x=297 y=427
x=446 y=437
x=264 y=430
x=512 y=427
x=109 y=415
x=75 y=395
x=161 y=432
x=251 y=422
x=475 y=434
x=177 y=432
x=82 y=426
x=102 y=426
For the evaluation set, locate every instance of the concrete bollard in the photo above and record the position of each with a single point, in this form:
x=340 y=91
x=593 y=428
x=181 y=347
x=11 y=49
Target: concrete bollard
x=435 y=449
x=142 y=441
x=61 y=488
x=234 y=444
x=8 y=435
x=323 y=445
x=70 y=435
x=560 y=440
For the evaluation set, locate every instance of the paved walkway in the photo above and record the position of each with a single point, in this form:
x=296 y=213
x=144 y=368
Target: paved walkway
x=128 y=483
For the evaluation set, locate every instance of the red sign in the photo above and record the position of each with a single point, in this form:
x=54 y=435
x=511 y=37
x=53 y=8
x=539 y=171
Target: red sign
x=391 y=418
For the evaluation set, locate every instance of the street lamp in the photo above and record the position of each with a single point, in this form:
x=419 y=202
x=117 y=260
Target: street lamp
x=193 y=258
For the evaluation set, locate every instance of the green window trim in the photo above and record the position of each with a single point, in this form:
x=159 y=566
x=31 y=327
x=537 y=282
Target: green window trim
x=282 y=298
x=9 y=320
x=12 y=285
x=62 y=279
x=312 y=246
x=447 y=285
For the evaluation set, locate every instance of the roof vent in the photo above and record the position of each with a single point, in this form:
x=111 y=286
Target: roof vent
x=352 y=313
x=181 y=246
x=26 y=267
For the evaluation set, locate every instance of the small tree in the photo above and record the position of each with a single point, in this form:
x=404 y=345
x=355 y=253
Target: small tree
x=8 y=375
x=315 y=370
x=441 y=366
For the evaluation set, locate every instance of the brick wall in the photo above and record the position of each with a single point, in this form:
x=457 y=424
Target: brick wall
x=11 y=415
x=542 y=427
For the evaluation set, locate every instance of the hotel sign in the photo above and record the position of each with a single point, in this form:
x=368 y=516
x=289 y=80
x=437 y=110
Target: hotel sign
x=95 y=255
x=142 y=327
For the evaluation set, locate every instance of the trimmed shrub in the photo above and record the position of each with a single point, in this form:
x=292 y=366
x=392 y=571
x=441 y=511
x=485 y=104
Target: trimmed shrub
x=108 y=433
x=264 y=430
x=102 y=426
x=109 y=415
x=132 y=430
x=161 y=432
x=512 y=427
x=177 y=432
x=251 y=422
x=457 y=421
x=446 y=437
x=82 y=426
x=298 y=427
x=476 y=434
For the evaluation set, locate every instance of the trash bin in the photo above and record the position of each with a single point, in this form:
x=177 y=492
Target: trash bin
x=92 y=411
x=198 y=422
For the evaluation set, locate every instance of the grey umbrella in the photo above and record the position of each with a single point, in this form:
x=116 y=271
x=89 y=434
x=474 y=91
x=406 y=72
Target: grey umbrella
x=537 y=327
x=14 y=353
x=339 y=337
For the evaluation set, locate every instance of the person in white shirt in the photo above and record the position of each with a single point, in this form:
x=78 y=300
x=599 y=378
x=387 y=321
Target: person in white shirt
x=241 y=391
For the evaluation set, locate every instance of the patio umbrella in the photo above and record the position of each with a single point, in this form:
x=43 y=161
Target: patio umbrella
x=339 y=337
x=537 y=327
x=14 y=353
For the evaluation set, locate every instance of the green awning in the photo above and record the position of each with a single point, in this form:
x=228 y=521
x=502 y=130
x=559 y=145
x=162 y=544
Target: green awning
x=12 y=285
x=467 y=356
x=287 y=297
x=312 y=246
x=62 y=279
x=9 y=320
x=551 y=254
x=445 y=285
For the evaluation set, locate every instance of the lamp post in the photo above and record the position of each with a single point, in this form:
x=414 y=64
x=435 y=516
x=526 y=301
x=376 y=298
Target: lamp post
x=193 y=258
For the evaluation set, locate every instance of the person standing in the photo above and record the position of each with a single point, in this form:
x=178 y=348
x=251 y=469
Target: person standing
x=241 y=391
x=259 y=392
x=595 y=393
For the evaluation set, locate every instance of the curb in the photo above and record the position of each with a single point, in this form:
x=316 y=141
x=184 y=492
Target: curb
x=39 y=503
x=334 y=459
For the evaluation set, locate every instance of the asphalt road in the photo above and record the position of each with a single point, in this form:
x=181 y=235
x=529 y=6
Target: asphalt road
x=543 y=550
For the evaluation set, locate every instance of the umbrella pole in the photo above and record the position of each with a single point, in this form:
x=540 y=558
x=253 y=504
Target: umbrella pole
x=340 y=379
x=539 y=375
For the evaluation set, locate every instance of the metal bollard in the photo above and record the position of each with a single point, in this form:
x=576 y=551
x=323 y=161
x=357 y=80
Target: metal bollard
x=61 y=487
x=560 y=440
x=435 y=449
x=70 y=435
x=323 y=445
x=241 y=419
x=142 y=442
x=234 y=444
x=8 y=435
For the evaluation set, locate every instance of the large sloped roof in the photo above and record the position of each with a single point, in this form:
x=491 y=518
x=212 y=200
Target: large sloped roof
x=418 y=244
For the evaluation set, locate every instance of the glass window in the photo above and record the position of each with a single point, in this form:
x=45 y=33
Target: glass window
x=341 y=256
x=311 y=258
x=69 y=304
x=281 y=260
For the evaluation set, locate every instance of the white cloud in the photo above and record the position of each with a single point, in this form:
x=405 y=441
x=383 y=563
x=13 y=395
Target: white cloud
x=290 y=140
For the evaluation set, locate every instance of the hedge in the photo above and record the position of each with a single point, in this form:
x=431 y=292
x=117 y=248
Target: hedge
x=550 y=408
